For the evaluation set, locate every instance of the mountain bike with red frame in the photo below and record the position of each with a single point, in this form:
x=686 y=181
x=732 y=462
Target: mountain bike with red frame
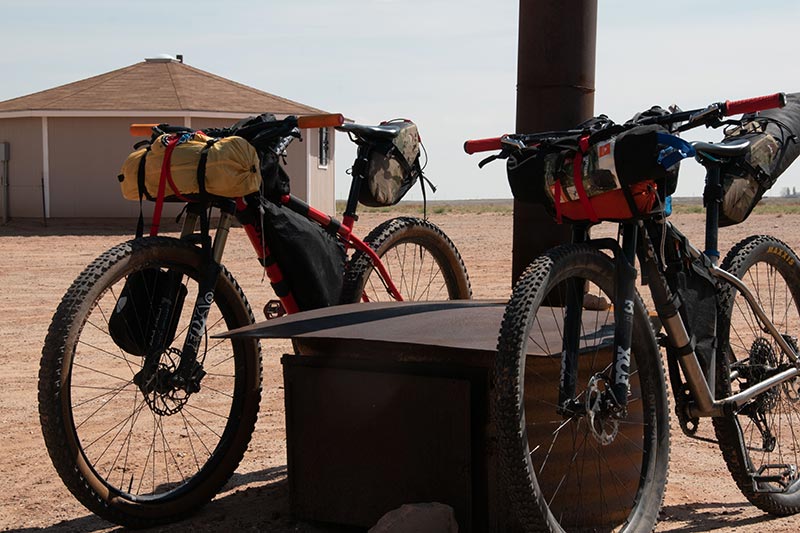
x=148 y=433
x=579 y=386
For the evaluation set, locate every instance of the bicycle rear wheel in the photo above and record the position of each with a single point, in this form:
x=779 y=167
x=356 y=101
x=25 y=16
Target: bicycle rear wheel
x=137 y=450
x=421 y=260
x=761 y=442
x=583 y=470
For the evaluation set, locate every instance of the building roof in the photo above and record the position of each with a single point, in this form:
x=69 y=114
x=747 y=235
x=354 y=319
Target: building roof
x=158 y=84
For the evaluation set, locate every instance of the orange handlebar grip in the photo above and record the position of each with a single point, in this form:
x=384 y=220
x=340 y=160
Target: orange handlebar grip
x=142 y=130
x=320 y=121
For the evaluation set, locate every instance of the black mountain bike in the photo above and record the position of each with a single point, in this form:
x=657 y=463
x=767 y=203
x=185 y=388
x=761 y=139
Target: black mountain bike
x=580 y=391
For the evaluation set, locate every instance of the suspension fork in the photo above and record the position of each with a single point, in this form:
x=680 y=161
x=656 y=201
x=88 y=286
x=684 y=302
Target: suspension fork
x=616 y=396
x=570 y=342
x=625 y=297
x=189 y=373
x=570 y=346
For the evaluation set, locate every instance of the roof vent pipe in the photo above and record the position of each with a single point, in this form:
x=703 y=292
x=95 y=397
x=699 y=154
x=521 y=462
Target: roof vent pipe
x=160 y=58
x=179 y=57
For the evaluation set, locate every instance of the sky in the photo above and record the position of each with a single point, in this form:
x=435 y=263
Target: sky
x=449 y=65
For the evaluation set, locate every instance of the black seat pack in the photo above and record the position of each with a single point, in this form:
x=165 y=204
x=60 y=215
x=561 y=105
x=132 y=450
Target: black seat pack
x=773 y=136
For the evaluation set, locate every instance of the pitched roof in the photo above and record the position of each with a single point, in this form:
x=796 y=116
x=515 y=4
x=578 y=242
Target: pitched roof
x=157 y=85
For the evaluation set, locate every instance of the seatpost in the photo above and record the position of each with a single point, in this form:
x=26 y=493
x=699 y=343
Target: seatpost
x=712 y=197
x=349 y=216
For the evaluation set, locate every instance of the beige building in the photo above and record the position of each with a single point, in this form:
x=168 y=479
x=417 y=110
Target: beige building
x=61 y=149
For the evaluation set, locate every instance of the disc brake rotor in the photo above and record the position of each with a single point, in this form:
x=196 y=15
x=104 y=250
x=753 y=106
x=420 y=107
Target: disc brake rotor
x=603 y=427
x=160 y=392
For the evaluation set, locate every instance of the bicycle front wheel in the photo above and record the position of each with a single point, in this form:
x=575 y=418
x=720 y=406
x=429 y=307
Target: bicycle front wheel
x=421 y=260
x=580 y=469
x=761 y=441
x=132 y=446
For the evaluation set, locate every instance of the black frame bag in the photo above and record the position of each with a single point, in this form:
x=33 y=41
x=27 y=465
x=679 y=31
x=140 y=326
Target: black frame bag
x=311 y=259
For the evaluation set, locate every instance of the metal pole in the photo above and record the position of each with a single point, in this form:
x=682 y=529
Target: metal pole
x=44 y=204
x=555 y=90
x=5 y=155
x=5 y=187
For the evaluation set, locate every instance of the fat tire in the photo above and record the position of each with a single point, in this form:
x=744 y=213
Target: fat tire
x=398 y=232
x=521 y=485
x=744 y=255
x=55 y=375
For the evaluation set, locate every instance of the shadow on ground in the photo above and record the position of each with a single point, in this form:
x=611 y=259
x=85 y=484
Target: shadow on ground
x=714 y=516
x=255 y=501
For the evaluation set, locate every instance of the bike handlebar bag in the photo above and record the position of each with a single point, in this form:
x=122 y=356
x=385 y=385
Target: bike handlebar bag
x=773 y=147
x=388 y=168
x=618 y=174
x=257 y=131
x=145 y=317
x=229 y=166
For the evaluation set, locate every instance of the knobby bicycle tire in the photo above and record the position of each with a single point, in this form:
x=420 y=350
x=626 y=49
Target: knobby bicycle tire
x=141 y=459
x=771 y=270
x=421 y=260
x=559 y=474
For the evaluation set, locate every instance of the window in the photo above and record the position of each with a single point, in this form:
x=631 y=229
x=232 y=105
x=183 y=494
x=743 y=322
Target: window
x=323 y=147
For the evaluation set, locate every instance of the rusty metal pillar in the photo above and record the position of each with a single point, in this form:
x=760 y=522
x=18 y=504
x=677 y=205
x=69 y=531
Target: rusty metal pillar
x=555 y=90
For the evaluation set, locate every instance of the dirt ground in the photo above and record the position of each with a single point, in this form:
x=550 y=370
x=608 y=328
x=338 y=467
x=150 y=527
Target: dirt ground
x=37 y=264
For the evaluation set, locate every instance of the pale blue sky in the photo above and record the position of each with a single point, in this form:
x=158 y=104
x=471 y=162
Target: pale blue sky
x=449 y=65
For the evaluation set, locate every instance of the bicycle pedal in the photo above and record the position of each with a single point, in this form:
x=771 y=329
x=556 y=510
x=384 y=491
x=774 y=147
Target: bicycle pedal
x=274 y=309
x=774 y=478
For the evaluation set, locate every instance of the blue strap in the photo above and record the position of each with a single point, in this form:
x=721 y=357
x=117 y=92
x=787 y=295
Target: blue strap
x=676 y=150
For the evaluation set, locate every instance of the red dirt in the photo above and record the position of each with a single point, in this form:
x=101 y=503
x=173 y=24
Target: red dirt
x=38 y=264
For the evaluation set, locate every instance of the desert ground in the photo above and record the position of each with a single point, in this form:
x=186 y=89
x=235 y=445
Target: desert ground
x=38 y=263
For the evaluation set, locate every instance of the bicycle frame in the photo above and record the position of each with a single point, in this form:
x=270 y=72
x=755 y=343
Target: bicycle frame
x=188 y=371
x=704 y=403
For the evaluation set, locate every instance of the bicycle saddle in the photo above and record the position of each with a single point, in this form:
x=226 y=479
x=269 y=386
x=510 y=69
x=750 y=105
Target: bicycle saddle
x=385 y=131
x=731 y=149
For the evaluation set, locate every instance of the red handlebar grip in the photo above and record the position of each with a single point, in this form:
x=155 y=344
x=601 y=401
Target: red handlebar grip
x=320 y=121
x=482 y=145
x=751 y=105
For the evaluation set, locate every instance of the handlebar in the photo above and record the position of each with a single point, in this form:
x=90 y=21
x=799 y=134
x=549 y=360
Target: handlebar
x=483 y=145
x=287 y=124
x=707 y=116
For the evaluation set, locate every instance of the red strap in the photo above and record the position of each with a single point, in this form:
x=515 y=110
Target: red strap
x=175 y=188
x=577 y=176
x=557 y=198
x=162 y=185
x=168 y=157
